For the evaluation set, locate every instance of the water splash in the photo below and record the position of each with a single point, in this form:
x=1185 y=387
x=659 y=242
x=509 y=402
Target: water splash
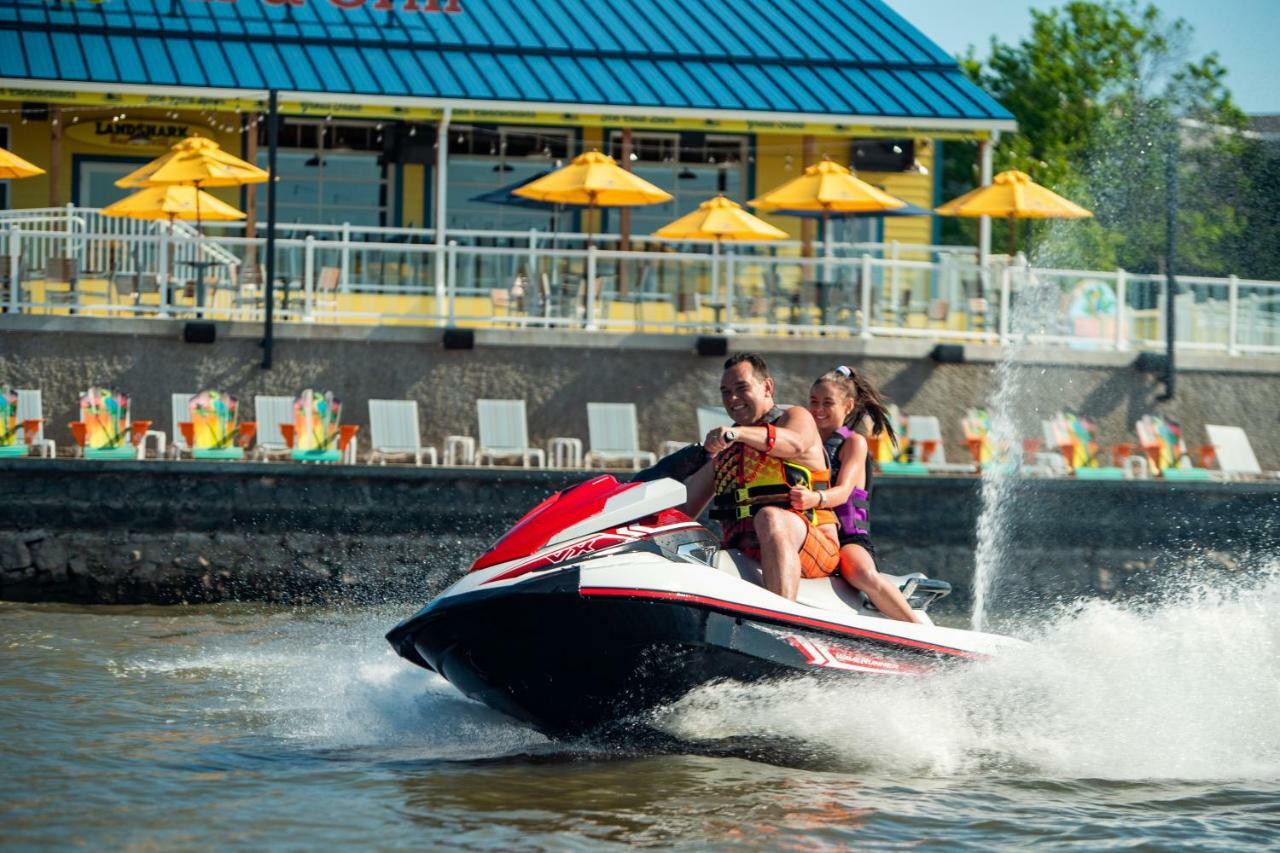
x=1186 y=690
x=1016 y=411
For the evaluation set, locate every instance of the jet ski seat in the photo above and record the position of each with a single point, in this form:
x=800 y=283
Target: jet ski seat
x=834 y=593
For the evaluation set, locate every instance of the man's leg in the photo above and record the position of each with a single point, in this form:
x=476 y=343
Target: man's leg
x=781 y=533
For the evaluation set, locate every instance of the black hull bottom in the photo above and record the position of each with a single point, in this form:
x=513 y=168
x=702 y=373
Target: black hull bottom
x=567 y=664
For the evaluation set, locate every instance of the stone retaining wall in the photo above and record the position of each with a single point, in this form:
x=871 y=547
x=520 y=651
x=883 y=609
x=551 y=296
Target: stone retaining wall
x=93 y=531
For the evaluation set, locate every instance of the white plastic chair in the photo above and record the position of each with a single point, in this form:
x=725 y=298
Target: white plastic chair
x=393 y=431
x=270 y=413
x=614 y=437
x=31 y=407
x=181 y=406
x=922 y=428
x=504 y=433
x=709 y=417
x=1235 y=453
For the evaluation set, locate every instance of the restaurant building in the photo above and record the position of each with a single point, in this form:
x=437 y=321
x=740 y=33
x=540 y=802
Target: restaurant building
x=402 y=112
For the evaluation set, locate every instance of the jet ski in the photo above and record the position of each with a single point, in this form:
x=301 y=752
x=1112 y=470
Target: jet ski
x=605 y=600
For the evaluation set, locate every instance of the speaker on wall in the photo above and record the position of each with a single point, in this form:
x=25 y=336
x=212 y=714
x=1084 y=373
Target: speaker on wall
x=712 y=345
x=459 y=339
x=196 y=332
x=948 y=354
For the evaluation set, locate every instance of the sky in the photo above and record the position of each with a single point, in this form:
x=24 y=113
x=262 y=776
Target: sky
x=1243 y=32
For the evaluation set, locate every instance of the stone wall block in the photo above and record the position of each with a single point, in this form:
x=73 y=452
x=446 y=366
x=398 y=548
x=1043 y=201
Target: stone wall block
x=14 y=554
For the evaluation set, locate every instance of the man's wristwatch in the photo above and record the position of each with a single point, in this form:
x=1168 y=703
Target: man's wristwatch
x=730 y=436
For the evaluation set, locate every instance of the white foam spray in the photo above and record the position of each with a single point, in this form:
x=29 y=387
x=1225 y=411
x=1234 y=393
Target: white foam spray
x=1188 y=690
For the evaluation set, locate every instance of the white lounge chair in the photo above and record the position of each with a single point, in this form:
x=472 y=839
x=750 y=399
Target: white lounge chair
x=504 y=433
x=926 y=428
x=1234 y=452
x=614 y=437
x=30 y=407
x=709 y=417
x=181 y=406
x=393 y=431
x=270 y=413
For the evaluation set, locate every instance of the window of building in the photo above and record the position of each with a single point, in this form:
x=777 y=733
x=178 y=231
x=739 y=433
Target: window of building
x=483 y=159
x=330 y=173
x=693 y=167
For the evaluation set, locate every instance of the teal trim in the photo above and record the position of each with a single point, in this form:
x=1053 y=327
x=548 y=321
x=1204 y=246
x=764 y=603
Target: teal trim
x=224 y=453
x=316 y=455
x=111 y=453
x=908 y=469
x=1099 y=473
x=1185 y=474
x=14 y=450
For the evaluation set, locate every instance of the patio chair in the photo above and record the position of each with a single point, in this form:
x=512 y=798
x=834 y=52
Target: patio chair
x=926 y=439
x=709 y=417
x=180 y=404
x=504 y=433
x=65 y=273
x=272 y=413
x=31 y=421
x=394 y=432
x=325 y=296
x=1233 y=451
x=614 y=437
x=1161 y=442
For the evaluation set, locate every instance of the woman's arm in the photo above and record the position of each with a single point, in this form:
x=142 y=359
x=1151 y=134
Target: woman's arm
x=853 y=475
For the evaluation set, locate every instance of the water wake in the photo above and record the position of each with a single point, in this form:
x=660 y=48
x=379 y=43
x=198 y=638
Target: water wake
x=1187 y=690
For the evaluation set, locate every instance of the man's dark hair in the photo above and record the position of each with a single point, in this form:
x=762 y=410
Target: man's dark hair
x=755 y=359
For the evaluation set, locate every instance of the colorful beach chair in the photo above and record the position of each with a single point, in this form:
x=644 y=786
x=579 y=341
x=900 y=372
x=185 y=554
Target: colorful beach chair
x=316 y=432
x=105 y=429
x=1161 y=441
x=1076 y=439
x=895 y=458
x=215 y=426
x=9 y=425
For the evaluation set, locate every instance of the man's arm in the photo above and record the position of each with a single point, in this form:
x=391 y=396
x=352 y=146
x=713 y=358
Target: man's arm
x=698 y=490
x=794 y=434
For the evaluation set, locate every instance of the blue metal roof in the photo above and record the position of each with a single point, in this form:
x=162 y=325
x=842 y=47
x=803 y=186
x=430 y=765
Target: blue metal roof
x=816 y=57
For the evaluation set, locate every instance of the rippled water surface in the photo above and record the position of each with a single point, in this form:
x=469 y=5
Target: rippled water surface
x=232 y=725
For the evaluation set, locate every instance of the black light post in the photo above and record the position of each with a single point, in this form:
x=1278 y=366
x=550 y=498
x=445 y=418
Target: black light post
x=1170 y=253
x=269 y=300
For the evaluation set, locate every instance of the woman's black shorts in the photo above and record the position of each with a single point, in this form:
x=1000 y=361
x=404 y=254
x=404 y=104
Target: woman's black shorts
x=863 y=539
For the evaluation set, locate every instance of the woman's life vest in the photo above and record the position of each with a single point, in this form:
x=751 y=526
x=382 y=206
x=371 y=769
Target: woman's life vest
x=854 y=514
x=747 y=479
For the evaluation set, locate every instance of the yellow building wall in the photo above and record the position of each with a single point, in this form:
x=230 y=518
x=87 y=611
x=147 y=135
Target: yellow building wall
x=775 y=167
x=79 y=137
x=413 y=196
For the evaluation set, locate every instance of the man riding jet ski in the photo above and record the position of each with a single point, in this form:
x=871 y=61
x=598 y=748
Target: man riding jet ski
x=606 y=600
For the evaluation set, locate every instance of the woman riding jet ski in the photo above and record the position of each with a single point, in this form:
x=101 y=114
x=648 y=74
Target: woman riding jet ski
x=605 y=600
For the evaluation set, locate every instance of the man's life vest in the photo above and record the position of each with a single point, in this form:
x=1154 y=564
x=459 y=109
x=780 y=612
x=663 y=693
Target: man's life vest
x=747 y=479
x=854 y=514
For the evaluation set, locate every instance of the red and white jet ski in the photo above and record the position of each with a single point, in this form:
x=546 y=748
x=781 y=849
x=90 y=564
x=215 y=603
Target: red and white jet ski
x=604 y=601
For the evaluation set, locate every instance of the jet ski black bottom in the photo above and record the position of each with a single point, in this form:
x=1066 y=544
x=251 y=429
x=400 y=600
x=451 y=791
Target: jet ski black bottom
x=567 y=662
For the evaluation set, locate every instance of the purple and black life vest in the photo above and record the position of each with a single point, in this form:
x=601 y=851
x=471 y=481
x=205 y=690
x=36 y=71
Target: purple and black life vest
x=854 y=514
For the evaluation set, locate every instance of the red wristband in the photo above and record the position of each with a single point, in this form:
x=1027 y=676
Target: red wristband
x=771 y=437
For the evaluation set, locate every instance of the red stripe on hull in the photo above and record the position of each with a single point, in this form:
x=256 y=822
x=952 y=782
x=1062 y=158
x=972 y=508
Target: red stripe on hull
x=732 y=607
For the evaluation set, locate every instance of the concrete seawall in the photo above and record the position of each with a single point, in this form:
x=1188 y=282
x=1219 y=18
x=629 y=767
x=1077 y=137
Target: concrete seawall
x=558 y=373
x=134 y=532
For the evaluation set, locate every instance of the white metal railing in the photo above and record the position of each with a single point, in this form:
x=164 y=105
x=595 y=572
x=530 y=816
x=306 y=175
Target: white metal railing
x=341 y=274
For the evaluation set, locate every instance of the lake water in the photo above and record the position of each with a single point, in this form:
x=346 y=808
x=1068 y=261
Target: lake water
x=198 y=727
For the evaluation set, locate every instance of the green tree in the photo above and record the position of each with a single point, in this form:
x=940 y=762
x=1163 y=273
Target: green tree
x=1099 y=89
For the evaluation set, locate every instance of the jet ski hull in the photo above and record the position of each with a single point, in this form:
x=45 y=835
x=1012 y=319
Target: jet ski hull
x=567 y=659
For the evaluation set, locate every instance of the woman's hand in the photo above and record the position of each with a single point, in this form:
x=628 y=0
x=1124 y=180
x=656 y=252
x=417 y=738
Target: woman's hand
x=802 y=498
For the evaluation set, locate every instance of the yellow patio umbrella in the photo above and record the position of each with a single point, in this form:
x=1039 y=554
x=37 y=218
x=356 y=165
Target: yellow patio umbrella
x=827 y=187
x=593 y=180
x=1013 y=195
x=173 y=202
x=719 y=219
x=196 y=161
x=13 y=167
